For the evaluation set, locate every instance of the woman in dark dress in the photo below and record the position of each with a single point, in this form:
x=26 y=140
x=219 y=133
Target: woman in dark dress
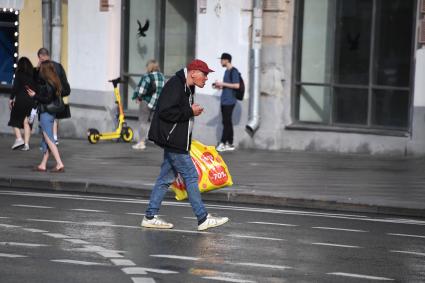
x=21 y=104
x=49 y=89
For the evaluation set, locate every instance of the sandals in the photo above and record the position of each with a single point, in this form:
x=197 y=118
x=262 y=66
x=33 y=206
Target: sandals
x=38 y=169
x=58 y=170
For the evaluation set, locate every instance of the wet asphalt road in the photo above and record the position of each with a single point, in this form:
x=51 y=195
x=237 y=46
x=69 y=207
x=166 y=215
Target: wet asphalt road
x=46 y=237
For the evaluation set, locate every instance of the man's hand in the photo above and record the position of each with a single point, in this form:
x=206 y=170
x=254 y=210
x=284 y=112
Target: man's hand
x=218 y=85
x=197 y=109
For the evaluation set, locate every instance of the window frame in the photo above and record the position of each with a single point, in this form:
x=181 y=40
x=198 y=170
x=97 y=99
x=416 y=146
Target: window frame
x=7 y=88
x=370 y=87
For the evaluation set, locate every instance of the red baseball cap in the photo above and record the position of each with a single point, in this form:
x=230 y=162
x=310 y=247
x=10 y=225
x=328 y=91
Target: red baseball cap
x=200 y=65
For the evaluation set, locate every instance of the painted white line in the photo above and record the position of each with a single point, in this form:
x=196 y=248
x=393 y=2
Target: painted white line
x=340 y=229
x=144 y=270
x=336 y=245
x=32 y=206
x=35 y=230
x=177 y=257
x=191 y=218
x=275 y=224
x=78 y=262
x=254 y=237
x=360 y=276
x=87 y=210
x=134 y=213
x=407 y=235
x=227 y=279
x=77 y=241
x=109 y=254
x=408 y=252
x=91 y=248
x=56 y=235
x=4 y=217
x=9 y=226
x=122 y=262
x=15 y=244
x=251 y=264
x=11 y=255
x=142 y=280
x=50 y=220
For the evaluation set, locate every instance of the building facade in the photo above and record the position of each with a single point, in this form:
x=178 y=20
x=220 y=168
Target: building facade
x=336 y=75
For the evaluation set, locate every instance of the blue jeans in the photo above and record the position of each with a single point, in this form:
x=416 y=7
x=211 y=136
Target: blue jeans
x=46 y=125
x=177 y=163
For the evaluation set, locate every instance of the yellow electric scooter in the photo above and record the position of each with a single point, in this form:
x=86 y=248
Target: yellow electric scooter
x=123 y=131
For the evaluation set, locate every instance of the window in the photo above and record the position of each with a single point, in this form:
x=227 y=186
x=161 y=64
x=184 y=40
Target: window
x=353 y=63
x=170 y=39
x=8 y=45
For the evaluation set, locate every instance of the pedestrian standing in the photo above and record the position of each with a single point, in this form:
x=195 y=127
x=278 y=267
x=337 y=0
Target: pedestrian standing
x=21 y=104
x=171 y=129
x=44 y=55
x=230 y=83
x=146 y=95
x=49 y=88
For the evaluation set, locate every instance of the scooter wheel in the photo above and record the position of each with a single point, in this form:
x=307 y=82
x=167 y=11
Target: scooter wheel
x=127 y=134
x=93 y=136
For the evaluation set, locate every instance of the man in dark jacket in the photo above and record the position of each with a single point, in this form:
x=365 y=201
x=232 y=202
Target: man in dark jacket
x=171 y=128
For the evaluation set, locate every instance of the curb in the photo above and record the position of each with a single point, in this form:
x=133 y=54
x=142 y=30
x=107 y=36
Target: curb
x=228 y=197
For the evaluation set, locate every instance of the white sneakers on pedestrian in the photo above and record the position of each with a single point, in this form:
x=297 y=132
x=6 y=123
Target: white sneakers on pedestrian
x=225 y=147
x=18 y=143
x=139 y=146
x=156 y=222
x=220 y=147
x=211 y=222
x=25 y=147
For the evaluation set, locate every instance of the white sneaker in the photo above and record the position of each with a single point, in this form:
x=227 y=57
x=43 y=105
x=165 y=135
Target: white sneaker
x=211 y=222
x=221 y=147
x=156 y=222
x=18 y=143
x=25 y=147
x=139 y=146
x=229 y=147
x=56 y=142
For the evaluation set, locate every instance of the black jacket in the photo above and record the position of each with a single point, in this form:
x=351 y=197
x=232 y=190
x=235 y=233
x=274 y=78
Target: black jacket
x=173 y=119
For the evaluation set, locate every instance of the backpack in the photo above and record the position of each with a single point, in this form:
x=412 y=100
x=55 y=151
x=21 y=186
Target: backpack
x=239 y=93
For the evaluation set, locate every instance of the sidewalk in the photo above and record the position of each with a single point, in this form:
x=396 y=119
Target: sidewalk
x=273 y=178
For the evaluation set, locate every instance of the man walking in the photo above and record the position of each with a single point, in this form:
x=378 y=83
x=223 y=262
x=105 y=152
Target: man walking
x=227 y=101
x=171 y=128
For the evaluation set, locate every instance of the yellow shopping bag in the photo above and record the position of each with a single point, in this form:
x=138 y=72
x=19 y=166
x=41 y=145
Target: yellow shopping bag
x=213 y=173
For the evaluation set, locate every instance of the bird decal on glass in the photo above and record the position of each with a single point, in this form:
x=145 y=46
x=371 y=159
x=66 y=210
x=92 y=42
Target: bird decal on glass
x=142 y=30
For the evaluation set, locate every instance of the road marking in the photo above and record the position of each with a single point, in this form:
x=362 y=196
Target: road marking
x=251 y=264
x=134 y=213
x=336 y=245
x=32 y=206
x=92 y=248
x=87 y=210
x=360 y=276
x=340 y=229
x=144 y=270
x=142 y=280
x=276 y=224
x=4 y=217
x=407 y=252
x=11 y=255
x=191 y=218
x=9 y=226
x=177 y=257
x=406 y=235
x=56 y=235
x=255 y=237
x=77 y=241
x=35 y=230
x=15 y=244
x=109 y=254
x=52 y=221
x=227 y=279
x=122 y=262
x=78 y=262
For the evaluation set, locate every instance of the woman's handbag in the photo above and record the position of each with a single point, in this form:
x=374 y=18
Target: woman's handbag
x=56 y=106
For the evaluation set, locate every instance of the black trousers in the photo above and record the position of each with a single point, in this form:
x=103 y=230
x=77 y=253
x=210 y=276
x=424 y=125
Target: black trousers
x=226 y=114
